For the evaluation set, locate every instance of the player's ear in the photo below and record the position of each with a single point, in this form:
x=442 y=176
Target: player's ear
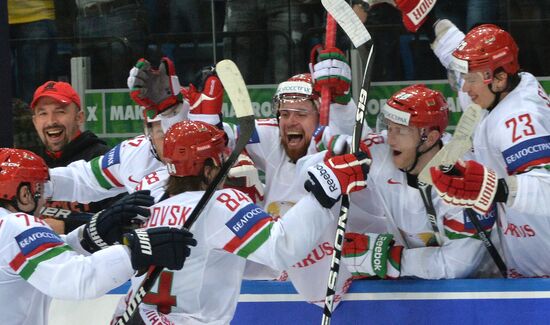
x=500 y=80
x=433 y=137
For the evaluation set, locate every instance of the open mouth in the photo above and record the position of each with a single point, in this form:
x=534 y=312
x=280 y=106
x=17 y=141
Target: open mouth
x=294 y=138
x=396 y=153
x=54 y=133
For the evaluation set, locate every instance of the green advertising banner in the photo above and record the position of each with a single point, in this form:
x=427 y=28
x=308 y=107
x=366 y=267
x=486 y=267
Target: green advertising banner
x=113 y=116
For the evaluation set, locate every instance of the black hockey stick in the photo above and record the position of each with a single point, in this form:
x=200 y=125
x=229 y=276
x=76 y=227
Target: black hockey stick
x=361 y=38
x=238 y=94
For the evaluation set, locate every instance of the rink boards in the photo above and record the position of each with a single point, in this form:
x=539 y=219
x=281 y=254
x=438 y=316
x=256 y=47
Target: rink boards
x=487 y=301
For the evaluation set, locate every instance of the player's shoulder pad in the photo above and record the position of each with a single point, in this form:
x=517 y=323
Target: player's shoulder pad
x=243 y=217
x=28 y=231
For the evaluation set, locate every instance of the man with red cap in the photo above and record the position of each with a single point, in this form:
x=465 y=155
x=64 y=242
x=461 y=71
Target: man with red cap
x=57 y=118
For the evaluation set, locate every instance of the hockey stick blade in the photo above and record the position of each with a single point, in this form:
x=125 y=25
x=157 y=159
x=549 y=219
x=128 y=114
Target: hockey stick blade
x=367 y=57
x=240 y=99
x=460 y=143
x=348 y=20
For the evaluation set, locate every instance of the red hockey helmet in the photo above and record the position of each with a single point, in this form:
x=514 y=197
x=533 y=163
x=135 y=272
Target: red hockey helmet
x=484 y=49
x=418 y=106
x=20 y=166
x=296 y=89
x=188 y=144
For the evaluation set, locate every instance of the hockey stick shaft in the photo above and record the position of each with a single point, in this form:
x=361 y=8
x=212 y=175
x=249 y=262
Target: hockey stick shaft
x=239 y=97
x=488 y=243
x=330 y=41
x=361 y=38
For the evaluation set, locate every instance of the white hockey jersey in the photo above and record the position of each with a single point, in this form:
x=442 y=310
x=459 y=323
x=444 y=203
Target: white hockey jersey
x=514 y=139
x=35 y=264
x=459 y=255
x=230 y=230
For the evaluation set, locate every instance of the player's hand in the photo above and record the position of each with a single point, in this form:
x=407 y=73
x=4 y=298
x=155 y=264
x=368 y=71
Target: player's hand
x=107 y=226
x=163 y=246
x=155 y=89
x=372 y=255
x=468 y=184
x=205 y=97
x=336 y=176
x=244 y=177
x=414 y=12
x=333 y=71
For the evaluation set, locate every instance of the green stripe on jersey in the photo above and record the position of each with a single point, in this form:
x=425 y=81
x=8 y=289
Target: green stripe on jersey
x=98 y=173
x=31 y=265
x=256 y=242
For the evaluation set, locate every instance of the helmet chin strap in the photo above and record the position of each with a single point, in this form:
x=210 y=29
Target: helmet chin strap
x=35 y=198
x=419 y=153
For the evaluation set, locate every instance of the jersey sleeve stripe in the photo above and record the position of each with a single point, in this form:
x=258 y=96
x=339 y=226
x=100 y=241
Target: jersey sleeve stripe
x=103 y=176
x=255 y=242
x=28 y=269
x=234 y=244
x=529 y=165
x=20 y=259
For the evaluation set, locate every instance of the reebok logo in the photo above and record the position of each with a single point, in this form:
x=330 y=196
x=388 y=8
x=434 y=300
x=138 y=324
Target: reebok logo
x=326 y=176
x=392 y=181
x=144 y=242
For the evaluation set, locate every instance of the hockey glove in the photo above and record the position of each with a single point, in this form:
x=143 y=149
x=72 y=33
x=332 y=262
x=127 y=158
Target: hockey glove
x=371 y=255
x=205 y=97
x=469 y=184
x=332 y=71
x=243 y=176
x=106 y=227
x=163 y=246
x=336 y=176
x=155 y=89
x=415 y=12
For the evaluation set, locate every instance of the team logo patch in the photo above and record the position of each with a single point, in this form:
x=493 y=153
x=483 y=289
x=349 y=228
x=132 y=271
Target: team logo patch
x=527 y=153
x=245 y=219
x=33 y=238
x=111 y=158
x=486 y=221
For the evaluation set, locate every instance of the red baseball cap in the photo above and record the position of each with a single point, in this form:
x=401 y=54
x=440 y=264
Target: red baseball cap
x=58 y=90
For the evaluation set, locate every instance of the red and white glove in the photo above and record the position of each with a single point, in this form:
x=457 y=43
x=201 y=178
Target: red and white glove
x=155 y=89
x=468 y=184
x=332 y=71
x=415 y=12
x=371 y=255
x=336 y=176
x=205 y=97
x=243 y=176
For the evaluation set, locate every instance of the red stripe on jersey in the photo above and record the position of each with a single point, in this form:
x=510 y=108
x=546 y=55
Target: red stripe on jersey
x=112 y=178
x=20 y=259
x=522 y=168
x=236 y=242
x=457 y=226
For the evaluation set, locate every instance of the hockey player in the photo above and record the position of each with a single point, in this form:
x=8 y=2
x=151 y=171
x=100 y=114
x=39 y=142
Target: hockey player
x=428 y=239
x=232 y=228
x=511 y=144
x=37 y=265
